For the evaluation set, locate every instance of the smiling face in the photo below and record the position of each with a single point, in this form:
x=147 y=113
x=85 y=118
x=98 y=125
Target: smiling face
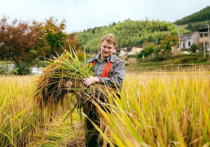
x=107 y=48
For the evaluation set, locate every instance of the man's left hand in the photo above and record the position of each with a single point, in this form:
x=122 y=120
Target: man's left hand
x=91 y=80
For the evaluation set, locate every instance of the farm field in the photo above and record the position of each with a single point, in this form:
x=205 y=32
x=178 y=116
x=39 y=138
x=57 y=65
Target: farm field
x=155 y=109
x=22 y=124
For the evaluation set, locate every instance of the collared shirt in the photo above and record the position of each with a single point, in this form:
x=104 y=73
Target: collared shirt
x=99 y=66
x=116 y=73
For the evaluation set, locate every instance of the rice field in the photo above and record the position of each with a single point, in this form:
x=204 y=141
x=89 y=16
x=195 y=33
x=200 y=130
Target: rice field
x=161 y=109
x=20 y=119
x=155 y=109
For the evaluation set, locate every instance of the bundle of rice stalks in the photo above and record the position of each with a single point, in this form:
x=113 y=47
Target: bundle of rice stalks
x=51 y=89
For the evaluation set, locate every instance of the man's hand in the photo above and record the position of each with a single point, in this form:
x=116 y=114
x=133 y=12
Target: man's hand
x=91 y=80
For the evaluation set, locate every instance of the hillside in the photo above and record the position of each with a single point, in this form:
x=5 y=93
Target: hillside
x=134 y=33
x=196 y=20
x=128 y=33
x=202 y=15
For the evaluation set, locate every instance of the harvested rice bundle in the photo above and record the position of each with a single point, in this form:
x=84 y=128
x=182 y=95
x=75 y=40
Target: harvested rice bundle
x=51 y=90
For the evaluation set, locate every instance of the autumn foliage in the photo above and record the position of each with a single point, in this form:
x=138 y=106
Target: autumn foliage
x=169 y=42
x=19 y=40
x=27 y=42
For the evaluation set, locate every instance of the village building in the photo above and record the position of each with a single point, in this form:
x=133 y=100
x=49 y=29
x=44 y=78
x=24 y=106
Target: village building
x=187 y=39
x=128 y=51
x=200 y=38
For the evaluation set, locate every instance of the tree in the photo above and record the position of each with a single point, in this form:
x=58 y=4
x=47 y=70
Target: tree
x=20 y=41
x=54 y=36
x=72 y=41
x=128 y=33
x=147 y=50
x=168 y=42
x=156 y=51
x=193 y=48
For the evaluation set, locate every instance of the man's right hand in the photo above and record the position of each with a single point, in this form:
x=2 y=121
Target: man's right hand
x=91 y=80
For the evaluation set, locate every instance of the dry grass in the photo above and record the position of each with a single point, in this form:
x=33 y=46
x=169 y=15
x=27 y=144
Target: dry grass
x=161 y=109
x=20 y=119
x=155 y=109
x=51 y=90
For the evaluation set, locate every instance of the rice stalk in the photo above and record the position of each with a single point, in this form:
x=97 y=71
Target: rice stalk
x=51 y=90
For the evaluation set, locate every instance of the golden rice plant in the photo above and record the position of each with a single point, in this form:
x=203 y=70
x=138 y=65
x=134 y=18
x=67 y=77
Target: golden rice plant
x=20 y=119
x=51 y=90
x=14 y=107
x=160 y=109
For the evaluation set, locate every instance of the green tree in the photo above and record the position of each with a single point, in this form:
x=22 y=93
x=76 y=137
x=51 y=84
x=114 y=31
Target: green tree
x=147 y=50
x=168 y=42
x=129 y=33
x=202 y=15
x=193 y=48
x=156 y=51
x=54 y=35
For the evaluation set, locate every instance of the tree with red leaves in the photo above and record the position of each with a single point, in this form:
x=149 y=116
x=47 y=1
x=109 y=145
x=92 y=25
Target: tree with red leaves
x=72 y=41
x=19 y=41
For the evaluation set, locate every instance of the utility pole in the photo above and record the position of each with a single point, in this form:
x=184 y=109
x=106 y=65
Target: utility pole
x=209 y=39
x=204 y=50
x=179 y=38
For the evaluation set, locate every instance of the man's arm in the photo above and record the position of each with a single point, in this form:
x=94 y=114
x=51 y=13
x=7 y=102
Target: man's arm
x=117 y=76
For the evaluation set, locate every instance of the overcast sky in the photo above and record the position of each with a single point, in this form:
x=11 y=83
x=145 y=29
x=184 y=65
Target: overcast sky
x=84 y=14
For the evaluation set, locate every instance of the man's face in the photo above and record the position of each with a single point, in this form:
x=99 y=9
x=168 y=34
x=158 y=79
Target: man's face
x=107 y=49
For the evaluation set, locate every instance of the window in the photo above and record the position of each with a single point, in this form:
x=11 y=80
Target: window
x=189 y=43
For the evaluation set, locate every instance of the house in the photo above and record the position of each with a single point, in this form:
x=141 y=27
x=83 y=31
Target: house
x=128 y=51
x=136 y=49
x=187 y=39
x=121 y=51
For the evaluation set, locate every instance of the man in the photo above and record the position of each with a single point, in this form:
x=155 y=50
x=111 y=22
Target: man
x=109 y=70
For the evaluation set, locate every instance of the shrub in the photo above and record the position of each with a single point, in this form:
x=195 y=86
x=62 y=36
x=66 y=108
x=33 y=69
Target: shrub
x=131 y=56
x=147 y=50
x=193 y=48
x=190 y=59
x=126 y=64
x=23 y=68
x=158 y=58
x=186 y=59
x=7 y=68
x=201 y=59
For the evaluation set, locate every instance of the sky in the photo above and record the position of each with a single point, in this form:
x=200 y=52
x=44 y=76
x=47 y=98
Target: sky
x=84 y=14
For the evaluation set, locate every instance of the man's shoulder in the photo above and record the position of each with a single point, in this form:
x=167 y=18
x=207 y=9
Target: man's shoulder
x=92 y=59
x=116 y=59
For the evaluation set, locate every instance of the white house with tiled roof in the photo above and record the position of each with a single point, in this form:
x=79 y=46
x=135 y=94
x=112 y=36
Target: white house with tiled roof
x=187 y=39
